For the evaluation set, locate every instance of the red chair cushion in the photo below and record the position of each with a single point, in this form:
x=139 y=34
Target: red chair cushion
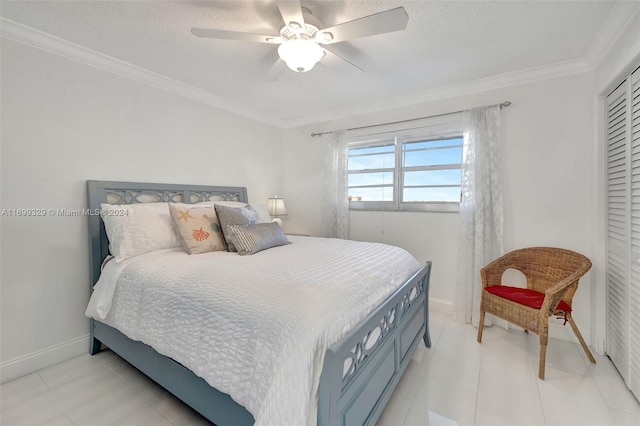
x=524 y=296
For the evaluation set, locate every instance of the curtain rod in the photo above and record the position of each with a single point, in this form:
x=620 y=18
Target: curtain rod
x=502 y=105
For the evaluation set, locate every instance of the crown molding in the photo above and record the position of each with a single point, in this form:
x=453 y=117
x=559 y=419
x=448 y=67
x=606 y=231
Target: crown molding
x=617 y=22
x=50 y=43
x=559 y=69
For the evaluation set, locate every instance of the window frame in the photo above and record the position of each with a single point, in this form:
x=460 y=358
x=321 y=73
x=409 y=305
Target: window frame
x=441 y=128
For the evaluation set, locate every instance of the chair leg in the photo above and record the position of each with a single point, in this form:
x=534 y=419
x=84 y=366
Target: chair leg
x=543 y=358
x=480 y=326
x=574 y=327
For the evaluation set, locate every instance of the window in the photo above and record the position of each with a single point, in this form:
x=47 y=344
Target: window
x=407 y=170
x=371 y=173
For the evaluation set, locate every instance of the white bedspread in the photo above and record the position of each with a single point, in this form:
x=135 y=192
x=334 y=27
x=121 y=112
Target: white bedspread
x=255 y=327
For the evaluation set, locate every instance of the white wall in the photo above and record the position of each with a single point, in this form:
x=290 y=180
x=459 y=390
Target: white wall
x=548 y=191
x=63 y=123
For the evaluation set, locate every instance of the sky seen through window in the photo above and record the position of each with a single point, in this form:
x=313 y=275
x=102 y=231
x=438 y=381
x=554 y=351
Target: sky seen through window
x=430 y=171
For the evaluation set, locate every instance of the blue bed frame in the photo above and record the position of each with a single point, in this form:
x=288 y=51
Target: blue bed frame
x=376 y=352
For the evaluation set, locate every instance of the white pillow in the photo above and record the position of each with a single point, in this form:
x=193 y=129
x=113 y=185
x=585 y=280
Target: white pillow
x=135 y=229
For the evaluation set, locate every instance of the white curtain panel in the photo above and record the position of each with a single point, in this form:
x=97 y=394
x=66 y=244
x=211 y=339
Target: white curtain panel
x=481 y=213
x=335 y=202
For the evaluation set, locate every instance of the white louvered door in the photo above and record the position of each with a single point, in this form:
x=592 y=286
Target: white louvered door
x=623 y=229
x=618 y=231
x=634 y=287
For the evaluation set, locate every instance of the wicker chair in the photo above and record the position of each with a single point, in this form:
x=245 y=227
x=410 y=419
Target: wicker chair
x=552 y=279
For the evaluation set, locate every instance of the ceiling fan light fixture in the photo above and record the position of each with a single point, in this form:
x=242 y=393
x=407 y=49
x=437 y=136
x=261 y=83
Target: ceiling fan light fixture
x=302 y=38
x=300 y=55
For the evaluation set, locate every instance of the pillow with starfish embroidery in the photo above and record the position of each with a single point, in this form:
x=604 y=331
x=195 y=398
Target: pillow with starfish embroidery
x=198 y=228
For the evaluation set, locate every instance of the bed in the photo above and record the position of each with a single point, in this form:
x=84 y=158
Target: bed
x=358 y=371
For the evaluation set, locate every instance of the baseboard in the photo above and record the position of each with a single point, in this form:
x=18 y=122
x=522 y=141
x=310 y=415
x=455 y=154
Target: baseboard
x=441 y=305
x=47 y=357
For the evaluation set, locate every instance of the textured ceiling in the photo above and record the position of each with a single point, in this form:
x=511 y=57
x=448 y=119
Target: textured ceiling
x=444 y=44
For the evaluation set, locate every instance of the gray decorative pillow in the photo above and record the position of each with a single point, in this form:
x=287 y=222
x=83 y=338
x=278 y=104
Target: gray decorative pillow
x=228 y=215
x=250 y=239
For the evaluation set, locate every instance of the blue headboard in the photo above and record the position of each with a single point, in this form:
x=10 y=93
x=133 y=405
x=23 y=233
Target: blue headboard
x=99 y=192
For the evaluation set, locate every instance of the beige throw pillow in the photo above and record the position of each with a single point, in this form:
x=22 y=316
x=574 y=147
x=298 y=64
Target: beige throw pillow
x=198 y=228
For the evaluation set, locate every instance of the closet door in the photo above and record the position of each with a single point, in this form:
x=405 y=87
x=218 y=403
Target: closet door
x=623 y=229
x=634 y=287
x=618 y=230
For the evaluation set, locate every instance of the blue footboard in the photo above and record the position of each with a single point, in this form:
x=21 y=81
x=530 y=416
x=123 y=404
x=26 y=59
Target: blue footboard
x=361 y=371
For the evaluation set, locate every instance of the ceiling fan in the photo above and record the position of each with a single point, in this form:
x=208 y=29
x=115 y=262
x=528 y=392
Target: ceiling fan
x=303 y=43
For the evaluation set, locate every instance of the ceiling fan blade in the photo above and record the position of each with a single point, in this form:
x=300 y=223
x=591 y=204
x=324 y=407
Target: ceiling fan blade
x=379 y=23
x=233 y=35
x=275 y=71
x=339 y=64
x=291 y=11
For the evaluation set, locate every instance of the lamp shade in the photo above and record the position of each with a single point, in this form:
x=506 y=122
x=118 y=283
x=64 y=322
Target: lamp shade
x=276 y=207
x=300 y=55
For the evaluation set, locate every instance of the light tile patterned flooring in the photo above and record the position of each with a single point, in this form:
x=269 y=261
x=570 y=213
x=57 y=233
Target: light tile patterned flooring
x=456 y=382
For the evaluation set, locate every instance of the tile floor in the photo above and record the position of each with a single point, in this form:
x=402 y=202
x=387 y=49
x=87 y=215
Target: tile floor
x=456 y=382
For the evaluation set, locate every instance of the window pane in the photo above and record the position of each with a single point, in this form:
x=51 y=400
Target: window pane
x=433 y=177
x=371 y=194
x=433 y=157
x=451 y=194
x=433 y=143
x=378 y=178
x=372 y=150
x=379 y=161
x=431 y=153
x=377 y=157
